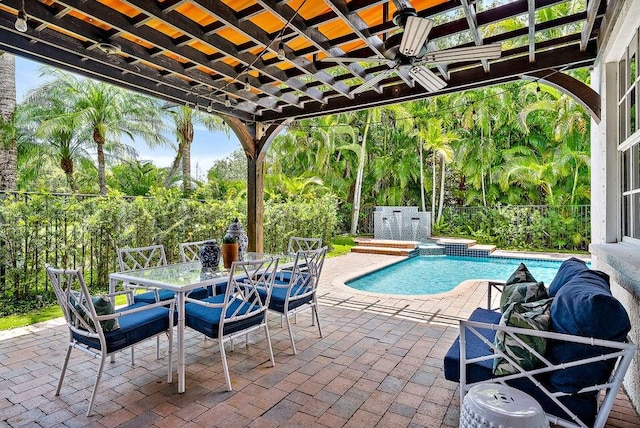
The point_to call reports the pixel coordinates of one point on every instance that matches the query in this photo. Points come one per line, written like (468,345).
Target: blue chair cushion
(206,320)
(585,307)
(279,294)
(200,293)
(568,269)
(150,297)
(133,328)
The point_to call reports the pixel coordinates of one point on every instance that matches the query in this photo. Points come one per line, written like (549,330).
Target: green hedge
(84,231)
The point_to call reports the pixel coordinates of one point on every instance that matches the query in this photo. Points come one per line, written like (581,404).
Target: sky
(207,146)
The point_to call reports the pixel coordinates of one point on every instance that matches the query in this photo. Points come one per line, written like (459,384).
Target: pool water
(438,274)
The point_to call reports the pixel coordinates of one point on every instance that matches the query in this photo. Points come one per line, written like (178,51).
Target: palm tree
(57,135)
(136,178)
(437,139)
(8,146)
(107,113)
(184,120)
(362,158)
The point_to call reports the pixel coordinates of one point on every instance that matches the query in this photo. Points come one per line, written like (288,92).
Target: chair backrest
(315,263)
(190,251)
(311,263)
(76,302)
(302,280)
(141,257)
(297,243)
(242,299)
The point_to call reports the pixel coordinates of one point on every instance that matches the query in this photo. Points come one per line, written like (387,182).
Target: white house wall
(621,260)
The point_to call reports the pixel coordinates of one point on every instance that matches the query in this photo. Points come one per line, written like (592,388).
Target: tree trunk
(187,139)
(484,192)
(186,168)
(66,165)
(99,139)
(177,161)
(8,149)
(421,156)
(433,184)
(359,175)
(442,165)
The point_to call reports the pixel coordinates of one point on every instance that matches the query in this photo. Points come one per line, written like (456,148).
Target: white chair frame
(621,352)
(297,243)
(141,258)
(190,251)
(305,271)
(72,304)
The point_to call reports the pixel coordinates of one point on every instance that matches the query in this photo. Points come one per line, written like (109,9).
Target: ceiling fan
(412,56)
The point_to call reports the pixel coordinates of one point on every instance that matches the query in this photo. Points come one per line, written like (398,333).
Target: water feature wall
(401,224)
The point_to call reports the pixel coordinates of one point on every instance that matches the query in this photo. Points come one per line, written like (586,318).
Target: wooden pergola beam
(255,139)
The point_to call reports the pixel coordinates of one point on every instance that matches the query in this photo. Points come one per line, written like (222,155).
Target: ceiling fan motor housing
(400,17)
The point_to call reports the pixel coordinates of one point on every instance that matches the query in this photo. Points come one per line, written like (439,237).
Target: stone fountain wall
(401,224)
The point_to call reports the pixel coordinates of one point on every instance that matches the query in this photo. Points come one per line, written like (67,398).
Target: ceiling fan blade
(373,81)
(427,78)
(471,53)
(356,59)
(415,35)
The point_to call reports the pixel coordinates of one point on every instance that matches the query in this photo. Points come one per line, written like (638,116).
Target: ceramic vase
(210,255)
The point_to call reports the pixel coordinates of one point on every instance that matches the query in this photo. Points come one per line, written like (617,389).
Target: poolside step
(385,243)
(389,251)
(465,247)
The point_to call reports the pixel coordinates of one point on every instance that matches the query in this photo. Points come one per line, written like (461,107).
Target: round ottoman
(496,405)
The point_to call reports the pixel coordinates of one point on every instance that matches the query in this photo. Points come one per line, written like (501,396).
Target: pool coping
(461,289)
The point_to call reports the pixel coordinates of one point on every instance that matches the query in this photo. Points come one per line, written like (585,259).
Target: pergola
(261,64)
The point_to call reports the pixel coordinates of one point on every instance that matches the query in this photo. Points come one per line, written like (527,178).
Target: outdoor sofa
(566,346)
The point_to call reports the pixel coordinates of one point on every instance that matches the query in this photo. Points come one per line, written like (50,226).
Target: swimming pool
(438,274)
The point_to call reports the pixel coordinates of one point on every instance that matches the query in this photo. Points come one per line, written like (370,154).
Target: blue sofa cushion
(206,320)
(150,297)
(475,348)
(133,328)
(568,269)
(584,306)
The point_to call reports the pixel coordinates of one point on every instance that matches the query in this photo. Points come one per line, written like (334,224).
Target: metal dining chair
(296,290)
(97,329)
(237,312)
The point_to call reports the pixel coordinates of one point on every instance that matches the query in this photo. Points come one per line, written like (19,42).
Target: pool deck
(379,364)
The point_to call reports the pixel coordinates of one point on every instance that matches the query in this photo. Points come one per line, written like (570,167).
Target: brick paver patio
(379,364)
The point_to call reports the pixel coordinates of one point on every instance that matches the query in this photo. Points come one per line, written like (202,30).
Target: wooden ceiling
(223,55)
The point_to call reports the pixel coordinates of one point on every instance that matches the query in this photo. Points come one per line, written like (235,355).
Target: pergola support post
(255,138)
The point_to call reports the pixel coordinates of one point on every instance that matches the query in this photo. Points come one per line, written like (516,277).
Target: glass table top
(185,276)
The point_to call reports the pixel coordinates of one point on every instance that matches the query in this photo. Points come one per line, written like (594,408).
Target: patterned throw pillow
(534,316)
(521,274)
(103,306)
(522,292)
(521,287)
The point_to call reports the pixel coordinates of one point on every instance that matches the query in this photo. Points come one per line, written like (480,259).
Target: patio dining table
(180,278)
